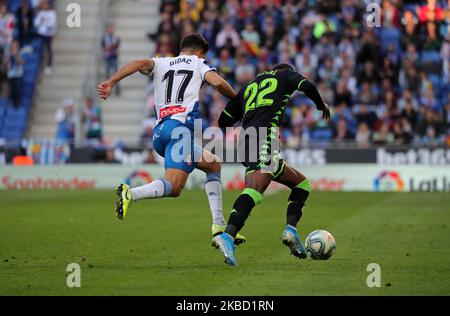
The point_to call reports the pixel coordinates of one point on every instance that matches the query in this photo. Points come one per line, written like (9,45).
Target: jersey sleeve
(156,61)
(232,113)
(294,80)
(204,68)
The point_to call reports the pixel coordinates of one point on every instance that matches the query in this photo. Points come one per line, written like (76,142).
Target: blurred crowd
(388,84)
(34,18)
(38,19)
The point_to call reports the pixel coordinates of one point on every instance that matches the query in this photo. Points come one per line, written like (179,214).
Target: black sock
(297,200)
(241,210)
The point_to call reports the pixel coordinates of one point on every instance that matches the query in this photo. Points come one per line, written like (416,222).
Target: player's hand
(104,89)
(326,112)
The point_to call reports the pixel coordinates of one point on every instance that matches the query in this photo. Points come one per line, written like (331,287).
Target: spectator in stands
(430,12)
(24,23)
(164,46)
(409,77)
(363,134)
(45,24)
(65,118)
(250,35)
(381,80)
(383,136)
(431,127)
(35,4)
(307,62)
(367,116)
(431,137)
(92,121)
(294,138)
(191,9)
(226,64)
(369,73)
(409,30)
(428,99)
(342,95)
(390,15)
(409,113)
(402,134)
(447,116)
(407,97)
(6,27)
(326,72)
(445,25)
(341,131)
(432,40)
(15,73)
(227,33)
(366,94)
(110,44)
(244,70)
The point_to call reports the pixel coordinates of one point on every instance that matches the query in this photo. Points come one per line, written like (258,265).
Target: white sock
(213,188)
(154,190)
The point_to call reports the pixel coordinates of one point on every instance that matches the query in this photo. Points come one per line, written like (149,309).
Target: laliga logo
(389,181)
(138,178)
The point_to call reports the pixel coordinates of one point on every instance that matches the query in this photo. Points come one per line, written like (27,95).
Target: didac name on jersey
(180,61)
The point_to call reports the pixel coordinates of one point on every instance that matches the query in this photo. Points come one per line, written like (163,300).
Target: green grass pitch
(163,246)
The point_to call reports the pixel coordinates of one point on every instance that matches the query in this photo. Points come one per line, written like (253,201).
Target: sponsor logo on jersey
(171,110)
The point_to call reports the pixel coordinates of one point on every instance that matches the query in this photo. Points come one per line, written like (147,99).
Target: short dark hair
(284,66)
(195,41)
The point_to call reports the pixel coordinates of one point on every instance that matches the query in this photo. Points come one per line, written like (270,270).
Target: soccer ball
(320,244)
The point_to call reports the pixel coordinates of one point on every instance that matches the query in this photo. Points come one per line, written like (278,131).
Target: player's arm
(213,79)
(232,113)
(300,83)
(144,66)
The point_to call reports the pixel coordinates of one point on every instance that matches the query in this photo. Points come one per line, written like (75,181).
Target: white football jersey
(177,83)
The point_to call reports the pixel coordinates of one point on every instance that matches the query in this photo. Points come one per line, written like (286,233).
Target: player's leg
(176,174)
(178,157)
(256,182)
(170,186)
(210,164)
(300,189)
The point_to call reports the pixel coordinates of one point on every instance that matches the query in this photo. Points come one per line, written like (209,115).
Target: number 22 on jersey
(256,94)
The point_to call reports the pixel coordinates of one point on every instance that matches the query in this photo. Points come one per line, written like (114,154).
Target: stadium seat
(390,36)
(322,134)
(435,80)
(431,61)
(12,133)
(409,7)
(430,56)
(13,5)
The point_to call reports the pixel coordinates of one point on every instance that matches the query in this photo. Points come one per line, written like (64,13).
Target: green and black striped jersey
(262,101)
